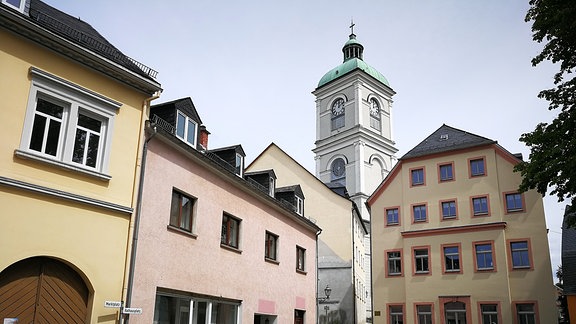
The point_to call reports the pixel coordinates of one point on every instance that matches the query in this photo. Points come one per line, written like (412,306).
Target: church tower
(354,144)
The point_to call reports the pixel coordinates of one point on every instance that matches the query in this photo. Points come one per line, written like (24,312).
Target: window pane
(480,205)
(484,256)
(446,172)
(92,154)
(15,3)
(90,123)
(417,177)
(449,209)
(49,108)
(180,125)
(419,213)
(191,132)
(520,257)
(392,216)
(37,137)
(186,216)
(175,209)
(79,145)
(451,258)
(513,202)
(477,167)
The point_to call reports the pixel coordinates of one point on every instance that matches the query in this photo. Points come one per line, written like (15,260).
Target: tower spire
(352,48)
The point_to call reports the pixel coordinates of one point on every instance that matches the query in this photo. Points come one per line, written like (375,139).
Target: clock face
(374,108)
(338,167)
(338,107)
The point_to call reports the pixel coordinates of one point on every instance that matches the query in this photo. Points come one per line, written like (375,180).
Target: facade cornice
(64,195)
(455,229)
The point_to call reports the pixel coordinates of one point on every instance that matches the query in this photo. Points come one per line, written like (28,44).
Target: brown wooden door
(43,290)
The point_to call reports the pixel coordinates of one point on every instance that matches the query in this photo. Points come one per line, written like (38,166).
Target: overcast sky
(250,66)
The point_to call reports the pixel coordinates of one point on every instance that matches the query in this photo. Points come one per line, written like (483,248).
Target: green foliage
(552,160)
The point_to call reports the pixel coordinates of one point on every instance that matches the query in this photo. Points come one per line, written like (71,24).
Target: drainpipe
(317,281)
(354,310)
(138,208)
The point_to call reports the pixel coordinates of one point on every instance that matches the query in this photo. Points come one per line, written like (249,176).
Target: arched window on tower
(338,114)
(375,111)
(338,174)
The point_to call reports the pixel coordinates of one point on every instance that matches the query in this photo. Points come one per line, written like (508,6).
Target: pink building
(214,245)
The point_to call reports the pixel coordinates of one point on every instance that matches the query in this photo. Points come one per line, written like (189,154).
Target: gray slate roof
(83,34)
(445,139)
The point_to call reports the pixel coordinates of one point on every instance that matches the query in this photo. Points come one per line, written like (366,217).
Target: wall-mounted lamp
(327,292)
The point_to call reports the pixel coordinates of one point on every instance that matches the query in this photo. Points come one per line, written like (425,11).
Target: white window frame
(75,100)
(187,121)
(19,8)
(299,206)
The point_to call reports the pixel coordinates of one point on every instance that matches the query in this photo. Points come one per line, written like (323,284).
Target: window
(419,213)
(489,313)
(271,246)
(424,314)
(182,211)
(514,202)
(421,261)
(186,129)
(230,231)
(477,167)
(455,312)
(299,205)
(375,114)
(451,258)
(394,261)
(16,4)
(396,314)
(300,258)
(338,114)
(484,256)
(480,206)
(67,125)
(392,217)
(520,254)
(177,309)
(526,313)
(417,177)
(446,172)
(448,209)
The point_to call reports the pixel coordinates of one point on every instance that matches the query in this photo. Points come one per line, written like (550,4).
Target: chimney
(204,137)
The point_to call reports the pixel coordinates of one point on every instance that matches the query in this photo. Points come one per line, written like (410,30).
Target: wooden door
(43,290)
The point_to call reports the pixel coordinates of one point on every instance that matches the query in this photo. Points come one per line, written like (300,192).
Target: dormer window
(16,4)
(299,205)
(239,164)
(186,129)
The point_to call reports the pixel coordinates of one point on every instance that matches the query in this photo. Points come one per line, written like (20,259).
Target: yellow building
(72,115)
(453,241)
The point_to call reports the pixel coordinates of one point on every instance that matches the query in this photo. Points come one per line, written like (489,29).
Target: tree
(552,160)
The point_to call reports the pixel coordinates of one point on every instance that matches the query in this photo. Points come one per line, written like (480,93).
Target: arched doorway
(43,290)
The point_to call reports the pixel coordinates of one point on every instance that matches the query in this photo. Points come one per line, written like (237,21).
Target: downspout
(317,281)
(138,205)
(354,310)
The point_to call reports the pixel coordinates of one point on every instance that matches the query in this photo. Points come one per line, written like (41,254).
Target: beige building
(341,263)
(73,108)
(453,241)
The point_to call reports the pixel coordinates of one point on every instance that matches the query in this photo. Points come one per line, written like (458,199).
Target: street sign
(132,310)
(112,304)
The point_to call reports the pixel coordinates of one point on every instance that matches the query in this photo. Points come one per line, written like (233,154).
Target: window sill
(453,272)
(486,270)
(302,272)
(230,248)
(521,268)
(483,214)
(181,231)
(422,273)
(32,156)
(273,261)
(515,211)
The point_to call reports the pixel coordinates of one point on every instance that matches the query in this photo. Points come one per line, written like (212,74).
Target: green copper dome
(349,66)
(352,60)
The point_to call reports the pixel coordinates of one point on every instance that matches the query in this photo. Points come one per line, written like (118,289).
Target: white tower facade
(354,144)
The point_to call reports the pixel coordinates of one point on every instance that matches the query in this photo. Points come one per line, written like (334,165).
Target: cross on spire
(352,26)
